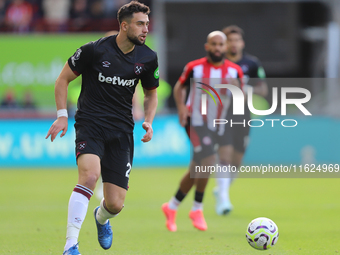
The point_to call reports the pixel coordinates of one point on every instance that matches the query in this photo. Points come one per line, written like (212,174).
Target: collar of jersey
(120,51)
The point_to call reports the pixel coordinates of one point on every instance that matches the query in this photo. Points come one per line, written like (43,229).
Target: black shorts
(114,148)
(203,141)
(236,135)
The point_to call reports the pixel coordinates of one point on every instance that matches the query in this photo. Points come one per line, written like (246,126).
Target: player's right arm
(179,96)
(180,93)
(60,90)
(75,66)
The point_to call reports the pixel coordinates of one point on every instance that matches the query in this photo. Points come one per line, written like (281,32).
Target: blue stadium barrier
(23,144)
(314,139)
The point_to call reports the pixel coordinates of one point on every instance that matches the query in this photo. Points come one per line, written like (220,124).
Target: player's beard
(134,39)
(215,58)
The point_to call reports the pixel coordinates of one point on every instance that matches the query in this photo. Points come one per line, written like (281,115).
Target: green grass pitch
(33,212)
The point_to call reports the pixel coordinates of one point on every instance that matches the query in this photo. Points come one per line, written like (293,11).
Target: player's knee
(114,206)
(89,180)
(209,161)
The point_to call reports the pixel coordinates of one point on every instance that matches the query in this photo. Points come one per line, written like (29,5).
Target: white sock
(99,192)
(104,215)
(197,206)
(174,203)
(77,209)
(223,181)
(223,185)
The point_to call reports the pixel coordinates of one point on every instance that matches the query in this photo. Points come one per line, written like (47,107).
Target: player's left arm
(261,87)
(137,110)
(150,107)
(150,81)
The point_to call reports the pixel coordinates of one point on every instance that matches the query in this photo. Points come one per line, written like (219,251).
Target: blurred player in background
(239,134)
(203,136)
(111,68)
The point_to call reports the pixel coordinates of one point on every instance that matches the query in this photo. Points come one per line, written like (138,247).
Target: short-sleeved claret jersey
(109,78)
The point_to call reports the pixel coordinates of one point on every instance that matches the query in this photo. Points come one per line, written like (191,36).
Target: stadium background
(293,39)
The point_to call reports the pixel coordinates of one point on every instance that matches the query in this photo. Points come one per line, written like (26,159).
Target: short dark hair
(127,10)
(233,29)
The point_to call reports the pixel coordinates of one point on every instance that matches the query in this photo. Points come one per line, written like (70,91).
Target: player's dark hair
(127,10)
(233,29)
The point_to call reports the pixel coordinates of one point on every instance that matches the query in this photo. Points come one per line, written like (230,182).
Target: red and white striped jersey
(199,73)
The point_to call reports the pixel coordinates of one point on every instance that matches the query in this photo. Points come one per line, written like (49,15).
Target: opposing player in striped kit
(213,68)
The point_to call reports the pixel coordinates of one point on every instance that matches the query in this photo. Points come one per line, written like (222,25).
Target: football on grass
(262,233)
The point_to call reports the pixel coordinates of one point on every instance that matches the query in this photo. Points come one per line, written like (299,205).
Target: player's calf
(102,216)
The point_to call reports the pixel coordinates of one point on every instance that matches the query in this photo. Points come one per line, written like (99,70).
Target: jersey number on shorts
(128,171)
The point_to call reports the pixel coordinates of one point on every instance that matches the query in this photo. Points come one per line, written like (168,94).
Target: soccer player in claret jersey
(203,136)
(239,134)
(111,68)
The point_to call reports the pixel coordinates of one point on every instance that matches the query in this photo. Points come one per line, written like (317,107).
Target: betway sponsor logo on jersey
(116,80)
